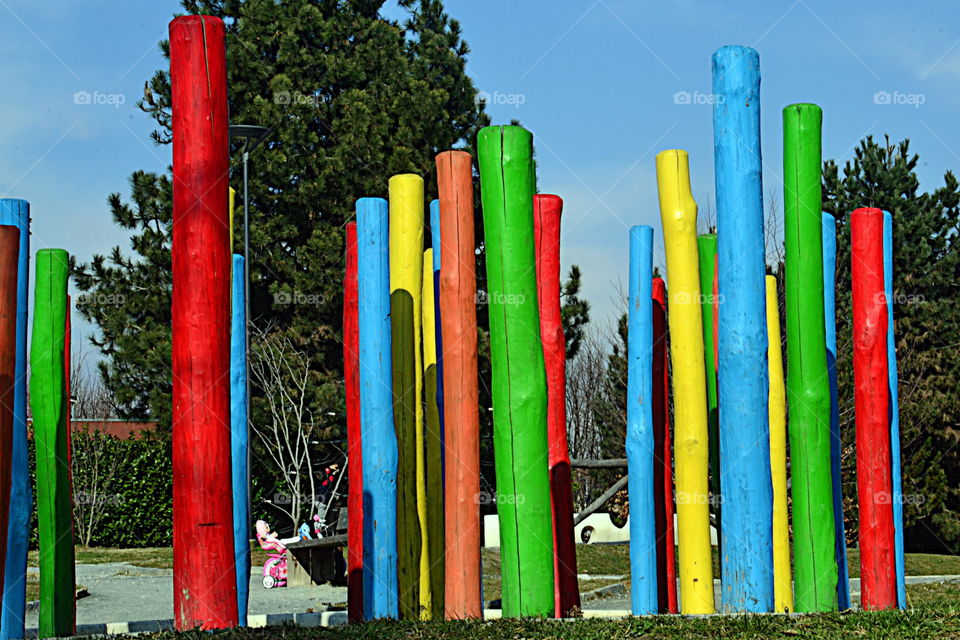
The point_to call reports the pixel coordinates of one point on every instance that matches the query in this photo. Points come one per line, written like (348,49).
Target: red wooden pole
(663,479)
(878,579)
(204,573)
(351,380)
(9,256)
(546,232)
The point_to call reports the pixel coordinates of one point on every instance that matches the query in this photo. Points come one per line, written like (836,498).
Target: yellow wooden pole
(233,198)
(406,286)
(433,454)
(777,407)
(678,213)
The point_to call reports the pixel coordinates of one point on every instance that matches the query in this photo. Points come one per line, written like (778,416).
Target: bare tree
(98,460)
(586,374)
(283,373)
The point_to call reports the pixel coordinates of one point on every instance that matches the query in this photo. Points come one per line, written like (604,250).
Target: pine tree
(927,317)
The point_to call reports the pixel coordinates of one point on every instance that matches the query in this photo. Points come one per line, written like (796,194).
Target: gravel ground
(121,592)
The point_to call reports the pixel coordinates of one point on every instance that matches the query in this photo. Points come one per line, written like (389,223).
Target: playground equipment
(411,360)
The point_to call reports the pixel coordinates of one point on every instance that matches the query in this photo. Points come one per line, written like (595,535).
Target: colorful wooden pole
(240,439)
(878,581)
(678,213)
(518,376)
(808,387)
(406,285)
(707,261)
(892,377)
(777,408)
(378,436)
(663,455)
(546,230)
(16,213)
(435,242)
(351,383)
(48,404)
(204,569)
(458,298)
(836,444)
(432,444)
(746,564)
(9,257)
(640,431)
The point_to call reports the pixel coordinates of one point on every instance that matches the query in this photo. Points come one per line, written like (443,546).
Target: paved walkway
(122,592)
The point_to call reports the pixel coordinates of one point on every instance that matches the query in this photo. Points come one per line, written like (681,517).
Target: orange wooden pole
(458,326)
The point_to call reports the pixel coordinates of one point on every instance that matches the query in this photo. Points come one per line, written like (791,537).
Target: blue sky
(597,81)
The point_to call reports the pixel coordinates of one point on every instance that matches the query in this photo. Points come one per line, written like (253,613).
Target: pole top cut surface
(673,186)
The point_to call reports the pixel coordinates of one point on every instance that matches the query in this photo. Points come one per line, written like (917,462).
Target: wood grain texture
(9,258)
(48,405)
(378,436)
(746,563)
(808,386)
(458,299)
(204,569)
(519,385)
(16,213)
(663,460)
(640,441)
(707,261)
(878,583)
(351,383)
(678,213)
(547,210)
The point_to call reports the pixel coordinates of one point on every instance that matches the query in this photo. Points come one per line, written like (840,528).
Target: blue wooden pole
(435,244)
(640,445)
(836,446)
(16,213)
(747,526)
(239,440)
(892,377)
(378,437)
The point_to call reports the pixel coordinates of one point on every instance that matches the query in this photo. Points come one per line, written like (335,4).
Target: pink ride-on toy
(275,568)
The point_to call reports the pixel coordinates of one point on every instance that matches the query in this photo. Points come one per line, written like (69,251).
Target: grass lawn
(152,557)
(936,614)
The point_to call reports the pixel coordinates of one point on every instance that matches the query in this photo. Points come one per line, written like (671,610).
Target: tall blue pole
(747,527)
(16,213)
(378,437)
(640,442)
(435,244)
(892,377)
(239,439)
(836,445)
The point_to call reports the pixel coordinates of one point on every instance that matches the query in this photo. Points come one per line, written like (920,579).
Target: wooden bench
(317,561)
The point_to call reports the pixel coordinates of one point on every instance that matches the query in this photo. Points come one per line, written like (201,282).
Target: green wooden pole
(707,254)
(808,386)
(519,382)
(48,404)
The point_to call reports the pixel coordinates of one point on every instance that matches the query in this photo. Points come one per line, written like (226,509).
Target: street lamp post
(252,136)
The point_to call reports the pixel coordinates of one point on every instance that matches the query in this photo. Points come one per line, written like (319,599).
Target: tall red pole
(663,470)
(204,573)
(9,256)
(878,578)
(351,380)
(546,231)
